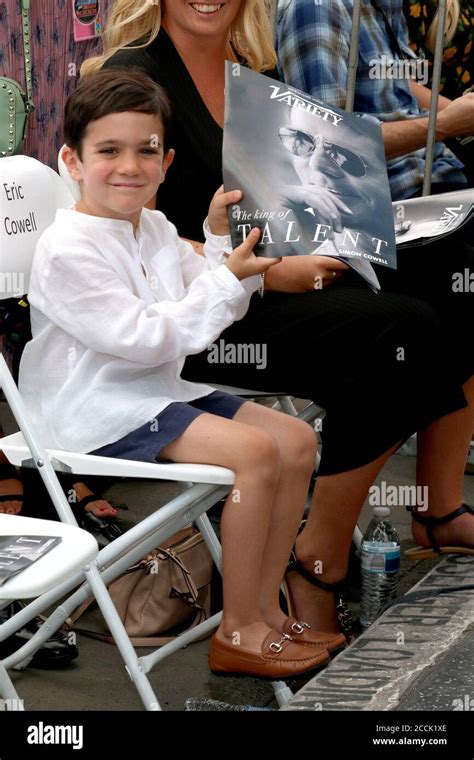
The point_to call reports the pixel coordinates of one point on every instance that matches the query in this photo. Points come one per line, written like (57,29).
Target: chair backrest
(30,194)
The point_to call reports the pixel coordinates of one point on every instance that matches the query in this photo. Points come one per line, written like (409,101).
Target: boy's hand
(217,216)
(242,261)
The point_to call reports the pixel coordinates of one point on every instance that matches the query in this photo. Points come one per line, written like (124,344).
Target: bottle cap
(381,512)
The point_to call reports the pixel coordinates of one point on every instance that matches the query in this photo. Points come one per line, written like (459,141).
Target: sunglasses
(302,144)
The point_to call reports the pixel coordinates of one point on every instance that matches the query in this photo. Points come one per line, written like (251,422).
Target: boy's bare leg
(255,458)
(298,445)
(442,452)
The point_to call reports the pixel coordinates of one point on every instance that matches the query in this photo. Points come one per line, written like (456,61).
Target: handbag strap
(25,18)
(192,594)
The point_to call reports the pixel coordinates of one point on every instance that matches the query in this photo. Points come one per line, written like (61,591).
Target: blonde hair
(452,17)
(250,35)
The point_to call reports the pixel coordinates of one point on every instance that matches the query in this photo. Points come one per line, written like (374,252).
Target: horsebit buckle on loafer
(299,627)
(277,646)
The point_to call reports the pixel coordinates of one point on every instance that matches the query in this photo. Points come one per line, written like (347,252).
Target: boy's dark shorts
(146,443)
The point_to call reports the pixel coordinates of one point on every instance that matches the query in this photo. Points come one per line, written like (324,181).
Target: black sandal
(344,615)
(105,529)
(8,471)
(430,523)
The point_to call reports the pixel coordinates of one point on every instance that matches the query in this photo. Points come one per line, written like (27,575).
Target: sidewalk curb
(376,671)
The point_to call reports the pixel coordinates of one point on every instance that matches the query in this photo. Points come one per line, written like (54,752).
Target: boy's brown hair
(112,91)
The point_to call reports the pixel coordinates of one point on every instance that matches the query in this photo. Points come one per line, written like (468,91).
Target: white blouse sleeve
(215,248)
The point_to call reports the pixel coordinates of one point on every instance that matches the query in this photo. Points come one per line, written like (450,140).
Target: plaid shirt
(313,40)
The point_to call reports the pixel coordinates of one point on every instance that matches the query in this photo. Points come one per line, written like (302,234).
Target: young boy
(117,302)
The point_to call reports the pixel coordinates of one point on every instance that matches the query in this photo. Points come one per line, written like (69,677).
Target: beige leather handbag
(164,594)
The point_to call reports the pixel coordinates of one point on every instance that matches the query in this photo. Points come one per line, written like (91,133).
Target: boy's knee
(301,444)
(260,453)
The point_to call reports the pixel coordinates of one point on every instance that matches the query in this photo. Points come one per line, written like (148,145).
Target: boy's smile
(122,165)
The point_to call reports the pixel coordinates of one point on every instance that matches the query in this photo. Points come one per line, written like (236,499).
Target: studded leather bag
(15,103)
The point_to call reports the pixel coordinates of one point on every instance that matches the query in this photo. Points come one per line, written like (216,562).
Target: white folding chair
(41,192)
(75,552)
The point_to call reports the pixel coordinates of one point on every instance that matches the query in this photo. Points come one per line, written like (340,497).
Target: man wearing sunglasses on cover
(337,185)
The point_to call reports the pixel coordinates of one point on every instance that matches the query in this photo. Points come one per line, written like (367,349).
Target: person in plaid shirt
(313,41)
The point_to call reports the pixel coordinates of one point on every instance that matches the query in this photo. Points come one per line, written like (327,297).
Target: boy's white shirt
(109,341)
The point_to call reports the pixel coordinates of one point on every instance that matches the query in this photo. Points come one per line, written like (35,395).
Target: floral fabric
(458,61)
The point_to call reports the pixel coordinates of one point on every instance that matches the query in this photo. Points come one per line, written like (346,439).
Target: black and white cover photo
(419,220)
(313,177)
(19,552)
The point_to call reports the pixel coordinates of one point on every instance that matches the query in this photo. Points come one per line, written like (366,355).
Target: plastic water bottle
(380,565)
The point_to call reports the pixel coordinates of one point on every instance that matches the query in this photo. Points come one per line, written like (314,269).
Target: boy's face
(122,164)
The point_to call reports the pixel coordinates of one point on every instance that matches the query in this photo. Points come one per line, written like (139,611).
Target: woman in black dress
(338,346)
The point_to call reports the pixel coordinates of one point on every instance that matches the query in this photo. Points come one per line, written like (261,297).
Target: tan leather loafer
(305,635)
(280,657)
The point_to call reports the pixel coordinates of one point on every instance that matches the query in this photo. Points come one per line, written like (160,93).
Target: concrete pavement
(97,681)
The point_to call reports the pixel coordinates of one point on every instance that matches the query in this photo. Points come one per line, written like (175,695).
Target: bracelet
(261,290)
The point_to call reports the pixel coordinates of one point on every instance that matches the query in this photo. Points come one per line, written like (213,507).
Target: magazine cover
(419,220)
(19,552)
(313,177)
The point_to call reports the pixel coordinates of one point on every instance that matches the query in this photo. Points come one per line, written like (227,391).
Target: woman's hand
(301,274)
(217,216)
(242,261)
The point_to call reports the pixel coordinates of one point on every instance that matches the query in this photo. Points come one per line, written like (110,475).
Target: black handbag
(15,331)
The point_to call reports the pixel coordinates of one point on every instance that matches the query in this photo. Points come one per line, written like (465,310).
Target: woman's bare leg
(442,452)
(323,546)
(338,499)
